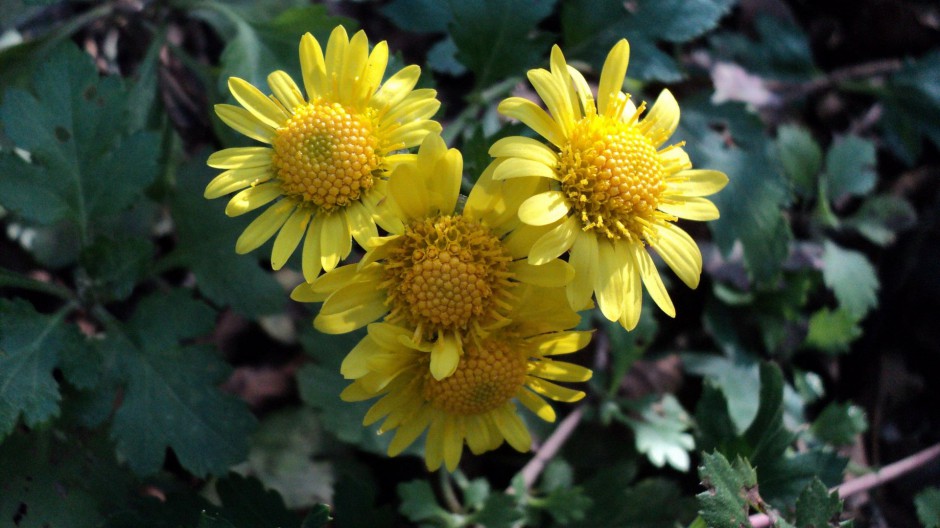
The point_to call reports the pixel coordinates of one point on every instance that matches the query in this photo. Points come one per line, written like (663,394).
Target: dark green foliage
(591,28)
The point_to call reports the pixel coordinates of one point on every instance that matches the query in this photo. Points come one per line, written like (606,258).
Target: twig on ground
(551,446)
(869,481)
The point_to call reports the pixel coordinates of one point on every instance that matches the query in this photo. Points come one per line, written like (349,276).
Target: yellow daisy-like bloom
(326,167)
(615,187)
(476,405)
(448,276)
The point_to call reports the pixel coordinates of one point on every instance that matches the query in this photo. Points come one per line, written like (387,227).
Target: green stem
(15,280)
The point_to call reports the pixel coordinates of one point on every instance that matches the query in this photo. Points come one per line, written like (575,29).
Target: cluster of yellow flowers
(466,306)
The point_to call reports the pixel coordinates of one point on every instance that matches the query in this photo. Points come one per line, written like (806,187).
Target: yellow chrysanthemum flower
(476,405)
(444,274)
(615,188)
(329,154)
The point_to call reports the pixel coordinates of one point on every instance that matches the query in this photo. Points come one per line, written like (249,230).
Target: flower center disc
(325,155)
(483,381)
(447,273)
(612,175)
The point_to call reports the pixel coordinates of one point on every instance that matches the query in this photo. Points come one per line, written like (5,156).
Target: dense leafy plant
(150,376)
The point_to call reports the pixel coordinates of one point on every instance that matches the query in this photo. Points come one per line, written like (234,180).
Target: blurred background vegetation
(149,376)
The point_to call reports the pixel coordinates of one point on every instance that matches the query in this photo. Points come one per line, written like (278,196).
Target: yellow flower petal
(633,292)
(236,179)
(434,445)
(361,225)
(544,208)
(556,98)
(374,71)
(396,88)
(609,282)
(478,434)
(583,90)
(554,274)
(253,198)
(304,293)
(313,67)
(420,104)
(584,257)
(523,168)
(652,281)
(350,308)
(310,254)
(335,241)
(675,160)
(453,445)
(256,102)
(411,134)
(409,432)
(561,342)
(289,237)
(445,356)
(534,117)
(696,183)
(244,122)
(662,119)
(690,208)
(560,371)
(241,158)
(525,148)
(537,405)
(335,53)
(512,428)
(612,74)
(286,90)
(355,393)
(262,228)
(553,391)
(680,253)
(355,57)
(409,193)
(356,363)
(552,244)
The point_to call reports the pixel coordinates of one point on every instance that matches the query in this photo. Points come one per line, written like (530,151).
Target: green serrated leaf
(591,28)
(781,50)
(81,167)
(801,157)
(256,47)
(816,506)
(206,246)
(171,399)
(912,107)
(753,202)
(736,376)
(247,501)
(852,279)
(53,478)
(418,502)
(115,266)
(30,345)
(928,507)
(881,218)
(839,424)
(442,58)
(832,331)
(661,435)
(418,16)
(285,456)
(731,491)
(850,164)
(493,36)
(498,511)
